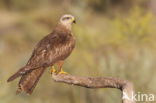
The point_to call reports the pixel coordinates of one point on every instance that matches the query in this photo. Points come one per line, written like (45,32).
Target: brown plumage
(53,48)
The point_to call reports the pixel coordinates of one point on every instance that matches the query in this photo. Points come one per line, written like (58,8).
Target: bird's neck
(67,27)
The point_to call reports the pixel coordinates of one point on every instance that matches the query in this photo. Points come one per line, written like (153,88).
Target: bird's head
(67,20)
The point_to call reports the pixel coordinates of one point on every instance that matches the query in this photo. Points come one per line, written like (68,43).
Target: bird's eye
(67,17)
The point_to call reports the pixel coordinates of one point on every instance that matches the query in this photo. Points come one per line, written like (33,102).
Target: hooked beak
(74,21)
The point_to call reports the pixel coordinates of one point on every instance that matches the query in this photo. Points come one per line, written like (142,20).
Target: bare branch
(102,82)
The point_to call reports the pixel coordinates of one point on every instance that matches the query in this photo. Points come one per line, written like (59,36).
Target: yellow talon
(53,70)
(62,72)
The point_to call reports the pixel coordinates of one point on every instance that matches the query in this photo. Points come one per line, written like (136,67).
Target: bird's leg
(60,64)
(53,70)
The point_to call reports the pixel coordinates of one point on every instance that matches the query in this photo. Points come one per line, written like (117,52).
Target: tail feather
(29,81)
(18,73)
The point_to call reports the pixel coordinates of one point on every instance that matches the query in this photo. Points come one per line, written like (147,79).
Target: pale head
(67,20)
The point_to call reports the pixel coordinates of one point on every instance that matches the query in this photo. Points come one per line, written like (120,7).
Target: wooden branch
(102,82)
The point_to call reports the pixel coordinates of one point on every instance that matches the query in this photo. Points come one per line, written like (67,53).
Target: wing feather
(53,47)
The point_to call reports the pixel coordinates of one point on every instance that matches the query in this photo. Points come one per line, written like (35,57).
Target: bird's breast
(61,50)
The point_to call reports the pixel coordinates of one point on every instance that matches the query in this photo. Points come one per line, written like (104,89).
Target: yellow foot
(62,72)
(53,70)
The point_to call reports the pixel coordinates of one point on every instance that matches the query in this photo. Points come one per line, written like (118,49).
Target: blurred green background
(114,38)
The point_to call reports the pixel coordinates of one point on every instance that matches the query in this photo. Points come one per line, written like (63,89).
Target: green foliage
(134,28)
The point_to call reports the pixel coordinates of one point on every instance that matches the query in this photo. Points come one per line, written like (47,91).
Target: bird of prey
(52,49)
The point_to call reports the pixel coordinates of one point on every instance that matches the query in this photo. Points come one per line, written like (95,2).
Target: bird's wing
(53,47)
(50,49)
(42,49)
(39,56)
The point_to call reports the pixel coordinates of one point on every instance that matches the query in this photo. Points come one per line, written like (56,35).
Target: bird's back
(56,46)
